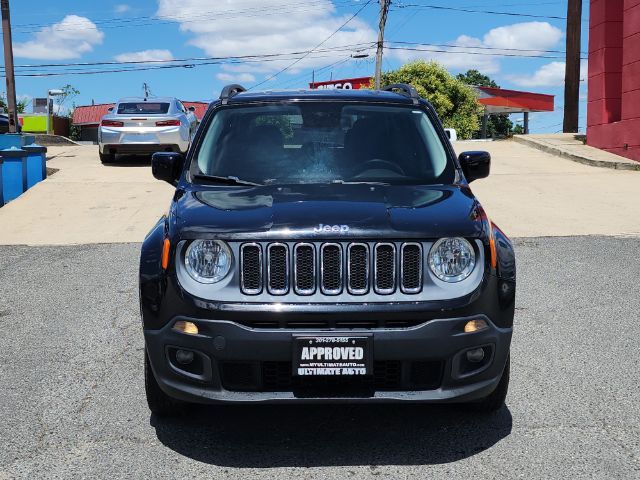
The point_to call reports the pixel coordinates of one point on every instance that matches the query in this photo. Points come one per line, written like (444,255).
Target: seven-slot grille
(331,268)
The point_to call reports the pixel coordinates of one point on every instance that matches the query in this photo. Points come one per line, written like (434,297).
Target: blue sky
(72,31)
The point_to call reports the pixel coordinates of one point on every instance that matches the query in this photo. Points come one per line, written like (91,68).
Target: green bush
(455,101)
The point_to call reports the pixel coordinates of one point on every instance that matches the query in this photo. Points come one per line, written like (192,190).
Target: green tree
(69,92)
(518,130)
(455,102)
(498,125)
(21,105)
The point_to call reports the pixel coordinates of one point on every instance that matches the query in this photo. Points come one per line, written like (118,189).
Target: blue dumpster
(36,163)
(14,173)
(17,140)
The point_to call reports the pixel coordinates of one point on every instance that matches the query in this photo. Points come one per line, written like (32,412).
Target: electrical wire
(317,46)
(468,10)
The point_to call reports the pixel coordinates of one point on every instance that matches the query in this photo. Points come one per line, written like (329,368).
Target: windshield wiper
(230,180)
(363,182)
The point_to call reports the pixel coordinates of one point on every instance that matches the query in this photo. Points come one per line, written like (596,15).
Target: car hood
(327,211)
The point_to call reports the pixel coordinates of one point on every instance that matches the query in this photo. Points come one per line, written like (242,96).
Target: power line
(468,10)
(346,47)
(488,54)
(317,46)
(155,67)
(478,47)
(337,48)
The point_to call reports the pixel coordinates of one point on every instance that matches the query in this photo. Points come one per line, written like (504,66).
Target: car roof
(322,94)
(150,100)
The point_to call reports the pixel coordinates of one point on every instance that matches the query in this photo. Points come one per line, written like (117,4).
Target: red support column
(605,62)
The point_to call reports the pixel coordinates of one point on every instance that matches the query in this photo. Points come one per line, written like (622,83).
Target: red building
(613,112)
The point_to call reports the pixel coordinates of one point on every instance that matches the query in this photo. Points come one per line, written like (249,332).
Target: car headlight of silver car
(452,259)
(208,261)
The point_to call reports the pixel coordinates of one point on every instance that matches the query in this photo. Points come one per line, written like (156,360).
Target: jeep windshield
(323,142)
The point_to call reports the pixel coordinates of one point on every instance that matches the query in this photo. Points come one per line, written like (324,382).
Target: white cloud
(144,56)
(549,75)
(529,35)
(122,8)
(67,39)
(241,77)
(255,27)
(484,54)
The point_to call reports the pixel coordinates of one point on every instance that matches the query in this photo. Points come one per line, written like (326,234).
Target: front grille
(388,375)
(385,268)
(251,268)
(411,268)
(306,269)
(278,269)
(358,265)
(331,261)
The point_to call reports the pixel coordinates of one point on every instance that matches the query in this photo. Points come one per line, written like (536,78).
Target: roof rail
(404,89)
(231,90)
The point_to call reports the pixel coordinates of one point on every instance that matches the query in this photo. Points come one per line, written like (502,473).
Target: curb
(576,158)
(54,140)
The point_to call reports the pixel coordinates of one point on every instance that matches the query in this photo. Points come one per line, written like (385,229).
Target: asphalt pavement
(73,406)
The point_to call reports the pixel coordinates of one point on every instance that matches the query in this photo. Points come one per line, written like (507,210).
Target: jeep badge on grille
(322,228)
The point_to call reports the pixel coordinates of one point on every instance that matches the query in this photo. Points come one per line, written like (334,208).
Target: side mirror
(475,165)
(167,166)
(110,109)
(192,108)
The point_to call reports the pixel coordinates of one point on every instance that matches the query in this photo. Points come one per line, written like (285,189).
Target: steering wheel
(379,163)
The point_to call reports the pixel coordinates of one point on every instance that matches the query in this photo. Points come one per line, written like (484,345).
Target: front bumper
(437,346)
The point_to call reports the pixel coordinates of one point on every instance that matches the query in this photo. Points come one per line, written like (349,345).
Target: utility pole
(572,73)
(147,90)
(384,10)
(8,68)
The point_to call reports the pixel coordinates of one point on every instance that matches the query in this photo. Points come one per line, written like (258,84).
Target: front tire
(159,402)
(495,400)
(107,157)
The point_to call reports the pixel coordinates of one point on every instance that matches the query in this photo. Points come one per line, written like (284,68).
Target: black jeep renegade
(325,246)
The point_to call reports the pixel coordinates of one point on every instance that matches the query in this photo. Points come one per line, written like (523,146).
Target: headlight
(208,261)
(452,259)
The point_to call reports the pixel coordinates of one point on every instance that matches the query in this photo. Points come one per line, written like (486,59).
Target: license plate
(332,356)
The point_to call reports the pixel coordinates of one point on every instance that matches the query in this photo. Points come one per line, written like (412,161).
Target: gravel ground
(72,400)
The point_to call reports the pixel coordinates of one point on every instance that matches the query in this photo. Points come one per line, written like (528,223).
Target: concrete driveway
(529,194)
(86,202)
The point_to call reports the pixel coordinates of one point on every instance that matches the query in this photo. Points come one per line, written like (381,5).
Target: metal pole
(526,123)
(12,104)
(48,112)
(485,121)
(572,73)
(384,10)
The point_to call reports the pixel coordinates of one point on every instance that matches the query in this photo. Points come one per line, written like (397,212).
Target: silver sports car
(145,126)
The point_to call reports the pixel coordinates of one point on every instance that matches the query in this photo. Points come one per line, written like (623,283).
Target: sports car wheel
(107,157)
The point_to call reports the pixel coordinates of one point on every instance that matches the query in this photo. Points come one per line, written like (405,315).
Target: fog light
(476,355)
(189,328)
(475,326)
(184,357)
